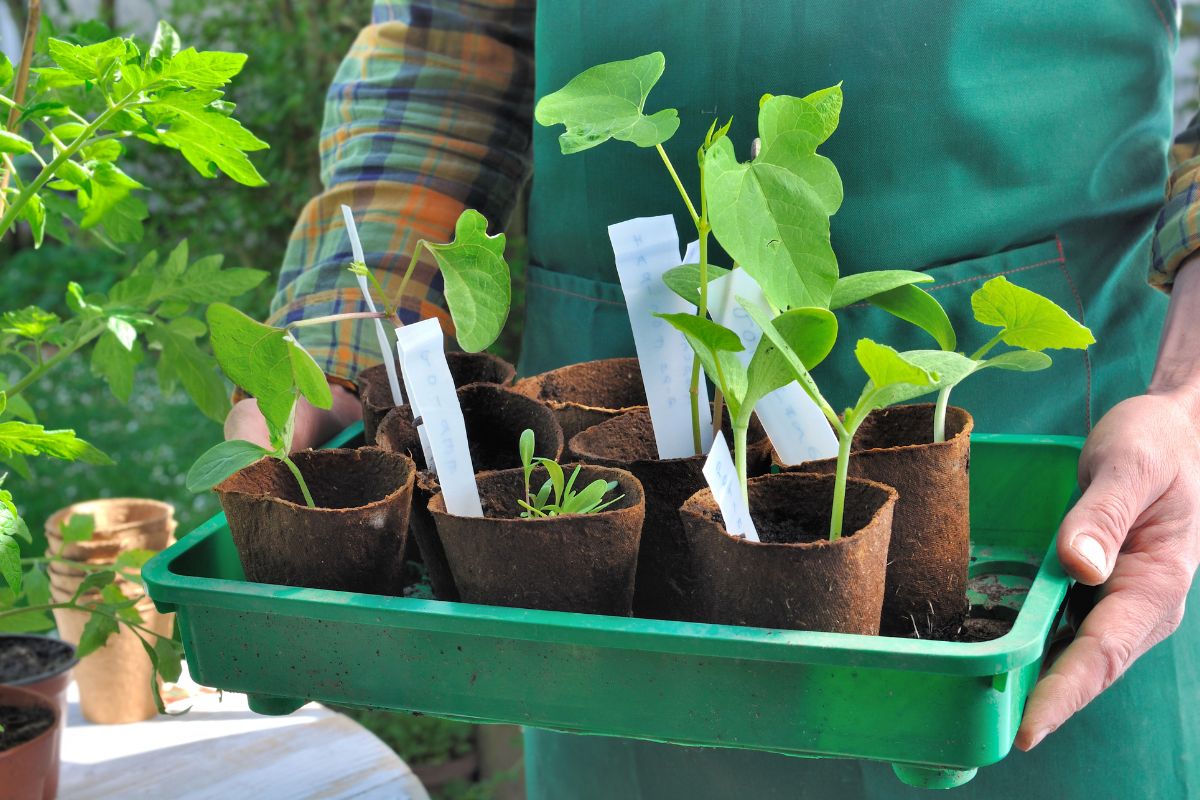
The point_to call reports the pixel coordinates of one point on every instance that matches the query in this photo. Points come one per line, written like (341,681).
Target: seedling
(272,366)
(565,499)
(1028,322)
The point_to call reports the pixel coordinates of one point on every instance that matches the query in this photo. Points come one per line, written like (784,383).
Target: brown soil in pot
(583,395)
(494,417)
(27,659)
(580,562)
(926,592)
(795,578)
(29,744)
(353,541)
(665,580)
(375,393)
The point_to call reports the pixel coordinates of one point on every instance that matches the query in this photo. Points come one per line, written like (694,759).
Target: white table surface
(221,750)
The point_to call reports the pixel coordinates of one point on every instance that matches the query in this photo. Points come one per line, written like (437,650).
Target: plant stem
(331,318)
(687,201)
(291,465)
(46,366)
(739,457)
(939,415)
(718,413)
(983,351)
(32,22)
(408,273)
(839,485)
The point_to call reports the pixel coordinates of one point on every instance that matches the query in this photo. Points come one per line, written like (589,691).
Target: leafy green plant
(270,365)
(558,496)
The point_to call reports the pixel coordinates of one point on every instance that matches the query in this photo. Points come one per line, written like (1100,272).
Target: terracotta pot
(583,395)
(43,665)
(114,680)
(930,553)
(29,770)
(579,562)
(795,578)
(122,523)
(375,393)
(494,417)
(352,541)
(665,583)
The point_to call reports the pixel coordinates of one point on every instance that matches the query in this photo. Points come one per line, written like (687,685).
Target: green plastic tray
(936,710)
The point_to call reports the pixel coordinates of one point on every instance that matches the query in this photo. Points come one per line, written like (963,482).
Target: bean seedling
(565,499)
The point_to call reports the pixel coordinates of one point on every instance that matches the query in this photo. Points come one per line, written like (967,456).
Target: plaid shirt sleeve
(429,114)
(1177,233)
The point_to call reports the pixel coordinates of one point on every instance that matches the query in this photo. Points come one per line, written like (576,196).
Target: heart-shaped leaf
(477,284)
(221,461)
(1027,319)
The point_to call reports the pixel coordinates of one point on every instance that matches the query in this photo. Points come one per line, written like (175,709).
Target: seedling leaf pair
(566,500)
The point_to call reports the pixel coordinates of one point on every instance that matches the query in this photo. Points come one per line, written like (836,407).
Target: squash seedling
(589,500)
(274,368)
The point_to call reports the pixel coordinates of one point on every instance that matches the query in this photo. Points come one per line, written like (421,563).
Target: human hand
(1136,531)
(314,426)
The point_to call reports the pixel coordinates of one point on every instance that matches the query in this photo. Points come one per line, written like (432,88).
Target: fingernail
(1090,551)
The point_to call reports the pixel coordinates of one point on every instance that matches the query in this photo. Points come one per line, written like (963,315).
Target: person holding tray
(1026,139)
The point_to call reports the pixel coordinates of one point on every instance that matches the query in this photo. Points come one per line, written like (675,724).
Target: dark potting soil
(24,657)
(21,724)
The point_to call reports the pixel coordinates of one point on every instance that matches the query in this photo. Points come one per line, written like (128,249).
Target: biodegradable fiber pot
(121,523)
(578,562)
(583,395)
(665,580)
(926,592)
(354,539)
(28,745)
(795,577)
(375,393)
(494,418)
(42,665)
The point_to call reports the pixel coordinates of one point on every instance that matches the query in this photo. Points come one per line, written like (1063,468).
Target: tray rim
(174,591)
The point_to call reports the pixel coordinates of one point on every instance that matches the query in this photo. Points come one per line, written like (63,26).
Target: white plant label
(721,474)
(431,390)
(794,423)
(645,248)
(385,345)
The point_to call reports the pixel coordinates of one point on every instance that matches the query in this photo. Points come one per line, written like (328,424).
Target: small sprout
(565,499)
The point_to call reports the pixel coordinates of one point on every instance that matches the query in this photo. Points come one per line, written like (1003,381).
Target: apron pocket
(569,319)
(1053,401)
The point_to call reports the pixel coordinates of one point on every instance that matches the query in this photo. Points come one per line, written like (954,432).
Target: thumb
(1093,531)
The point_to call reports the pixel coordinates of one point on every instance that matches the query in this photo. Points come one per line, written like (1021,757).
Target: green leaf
(256,357)
(29,322)
(54,78)
(95,633)
(309,378)
(131,560)
(34,213)
(170,658)
(116,364)
(6,71)
(526,448)
(79,303)
(221,461)
(951,368)
(13,143)
(34,440)
(809,332)
(207,70)
(608,102)
(166,41)
(477,284)
(11,524)
(715,345)
(10,562)
(88,63)
(828,105)
(37,586)
(913,304)
(1019,361)
(107,188)
(885,367)
(95,581)
(556,477)
(108,150)
(771,216)
(208,139)
(189,327)
(1027,319)
(183,361)
(28,622)
(123,222)
(77,528)
(685,280)
(66,132)
(852,289)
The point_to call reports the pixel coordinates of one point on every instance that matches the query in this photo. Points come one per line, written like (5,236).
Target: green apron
(1026,139)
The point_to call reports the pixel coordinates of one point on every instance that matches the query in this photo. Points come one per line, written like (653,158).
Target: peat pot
(494,418)
(352,541)
(583,395)
(577,562)
(795,577)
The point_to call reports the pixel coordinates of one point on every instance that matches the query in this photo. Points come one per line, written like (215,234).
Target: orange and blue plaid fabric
(1177,233)
(430,113)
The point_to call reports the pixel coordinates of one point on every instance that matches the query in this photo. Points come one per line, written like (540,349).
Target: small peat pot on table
(795,577)
(665,580)
(353,540)
(375,393)
(29,744)
(926,593)
(575,562)
(494,417)
(583,395)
